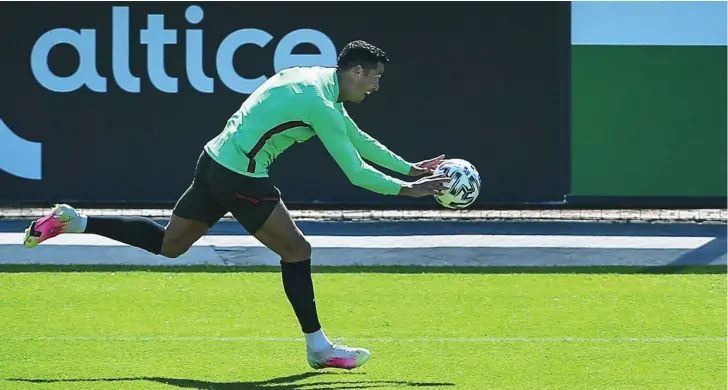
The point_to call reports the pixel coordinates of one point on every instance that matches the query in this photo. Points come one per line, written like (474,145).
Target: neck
(343,86)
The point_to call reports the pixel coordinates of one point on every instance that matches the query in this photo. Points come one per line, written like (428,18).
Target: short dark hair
(361,53)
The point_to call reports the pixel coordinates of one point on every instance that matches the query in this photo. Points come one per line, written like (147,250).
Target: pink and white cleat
(53,224)
(338,356)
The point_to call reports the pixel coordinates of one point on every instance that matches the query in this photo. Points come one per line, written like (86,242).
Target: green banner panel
(648,121)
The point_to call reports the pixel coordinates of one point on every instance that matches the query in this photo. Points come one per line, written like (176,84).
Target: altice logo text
(155,36)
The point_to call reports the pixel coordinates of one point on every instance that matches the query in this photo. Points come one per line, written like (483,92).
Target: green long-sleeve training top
(291,107)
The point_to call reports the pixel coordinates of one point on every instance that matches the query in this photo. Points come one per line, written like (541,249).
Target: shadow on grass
(670,269)
(282,383)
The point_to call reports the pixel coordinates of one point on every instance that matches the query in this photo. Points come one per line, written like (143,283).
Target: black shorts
(215,190)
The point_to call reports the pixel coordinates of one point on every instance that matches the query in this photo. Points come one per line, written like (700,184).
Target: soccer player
(232,176)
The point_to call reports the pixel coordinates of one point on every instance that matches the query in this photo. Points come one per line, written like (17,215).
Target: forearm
(334,135)
(374,151)
(405,189)
(375,181)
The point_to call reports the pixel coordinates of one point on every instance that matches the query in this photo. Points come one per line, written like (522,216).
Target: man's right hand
(427,186)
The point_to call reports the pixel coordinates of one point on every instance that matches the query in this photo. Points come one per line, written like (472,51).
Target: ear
(358,71)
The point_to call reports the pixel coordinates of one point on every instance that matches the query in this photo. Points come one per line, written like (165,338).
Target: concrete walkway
(434,243)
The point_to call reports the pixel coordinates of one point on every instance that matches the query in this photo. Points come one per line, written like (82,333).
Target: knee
(173,247)
(300,250)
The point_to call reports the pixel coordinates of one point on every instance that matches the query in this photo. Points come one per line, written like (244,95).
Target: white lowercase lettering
(155,37)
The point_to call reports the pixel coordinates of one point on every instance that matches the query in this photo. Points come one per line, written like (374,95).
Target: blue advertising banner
(110,104)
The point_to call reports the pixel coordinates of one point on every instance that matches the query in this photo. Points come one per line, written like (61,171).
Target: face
(366,81)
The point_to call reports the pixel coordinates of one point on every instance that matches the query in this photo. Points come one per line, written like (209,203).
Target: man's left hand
(427,166)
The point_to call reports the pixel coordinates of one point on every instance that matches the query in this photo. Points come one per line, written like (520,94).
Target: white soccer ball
(464,183)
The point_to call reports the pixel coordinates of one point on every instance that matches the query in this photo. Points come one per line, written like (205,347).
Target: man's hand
(431,185)
(427,166)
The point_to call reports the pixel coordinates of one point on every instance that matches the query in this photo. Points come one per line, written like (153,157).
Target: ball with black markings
(464,185)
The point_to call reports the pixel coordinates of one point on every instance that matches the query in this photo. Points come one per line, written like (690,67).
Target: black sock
(135,231)
(298,285)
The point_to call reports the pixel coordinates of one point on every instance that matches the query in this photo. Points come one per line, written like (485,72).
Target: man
(232,175)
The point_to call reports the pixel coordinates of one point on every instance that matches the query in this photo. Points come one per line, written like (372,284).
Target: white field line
(415,241)
(385,339)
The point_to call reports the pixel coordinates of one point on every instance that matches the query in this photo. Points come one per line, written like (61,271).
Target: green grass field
(222,330)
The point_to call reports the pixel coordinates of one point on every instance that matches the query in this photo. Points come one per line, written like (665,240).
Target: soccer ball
(464,183)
